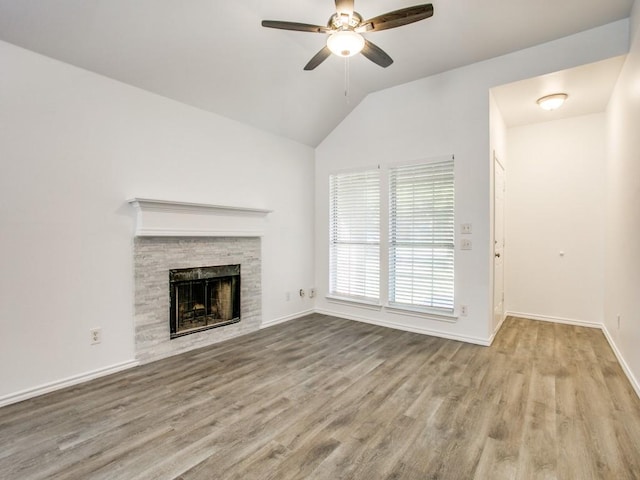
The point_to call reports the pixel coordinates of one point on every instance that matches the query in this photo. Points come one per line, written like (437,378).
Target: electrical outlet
(312,292)
(95,335)
(465,228)
(465,244)
(301,292)
(464,310)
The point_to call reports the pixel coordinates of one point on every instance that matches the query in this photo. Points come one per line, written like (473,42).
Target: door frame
(498,166)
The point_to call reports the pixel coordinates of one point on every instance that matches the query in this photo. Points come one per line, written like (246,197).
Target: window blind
(355,234)
(421,231)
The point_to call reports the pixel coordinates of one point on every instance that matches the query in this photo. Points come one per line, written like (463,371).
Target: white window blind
(355,234)
(421,243)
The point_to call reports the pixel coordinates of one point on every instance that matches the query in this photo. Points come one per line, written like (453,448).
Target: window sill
(369,304)
(423,313)
(429,314)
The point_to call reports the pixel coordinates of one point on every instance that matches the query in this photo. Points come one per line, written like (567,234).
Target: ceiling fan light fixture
(551,102)
(345,43)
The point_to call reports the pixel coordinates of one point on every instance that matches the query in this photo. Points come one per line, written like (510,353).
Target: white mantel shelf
(166,218)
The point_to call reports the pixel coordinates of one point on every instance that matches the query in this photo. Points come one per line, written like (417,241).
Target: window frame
(383,303)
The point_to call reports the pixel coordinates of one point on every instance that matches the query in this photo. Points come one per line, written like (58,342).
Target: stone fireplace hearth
(154,257)
(175,237)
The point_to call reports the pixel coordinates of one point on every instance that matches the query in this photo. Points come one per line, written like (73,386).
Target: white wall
(555,203)
(622,241)
(497,133)
(74,146)
(446,113)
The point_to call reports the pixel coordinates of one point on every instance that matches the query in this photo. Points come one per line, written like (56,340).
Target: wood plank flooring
(327,398)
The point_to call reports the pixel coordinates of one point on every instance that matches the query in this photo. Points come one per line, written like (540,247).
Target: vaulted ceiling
(214,54)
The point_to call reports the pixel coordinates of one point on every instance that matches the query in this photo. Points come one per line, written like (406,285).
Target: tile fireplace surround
(172,235)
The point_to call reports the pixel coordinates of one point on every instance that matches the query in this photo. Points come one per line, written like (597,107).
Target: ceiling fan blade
(344,7)
(376,54)
(397,18)
(297,27)
(318,58)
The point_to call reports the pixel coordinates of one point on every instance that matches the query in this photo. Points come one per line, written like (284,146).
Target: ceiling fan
(345,27)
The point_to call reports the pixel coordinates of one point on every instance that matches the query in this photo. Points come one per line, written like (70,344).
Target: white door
(498,249)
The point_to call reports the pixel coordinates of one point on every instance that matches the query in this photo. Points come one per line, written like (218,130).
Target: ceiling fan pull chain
(346,78)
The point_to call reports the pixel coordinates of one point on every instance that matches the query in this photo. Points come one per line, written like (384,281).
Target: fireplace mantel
(165,218)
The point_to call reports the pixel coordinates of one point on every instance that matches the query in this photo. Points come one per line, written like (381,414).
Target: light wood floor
(326,398)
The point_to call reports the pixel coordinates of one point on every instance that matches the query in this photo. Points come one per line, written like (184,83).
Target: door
(498,249)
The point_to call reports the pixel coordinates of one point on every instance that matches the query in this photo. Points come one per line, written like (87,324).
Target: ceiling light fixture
(551,102)
(345,43)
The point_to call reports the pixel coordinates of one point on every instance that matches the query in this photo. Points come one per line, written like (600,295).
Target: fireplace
(176,235)
(156,256)
(203,298)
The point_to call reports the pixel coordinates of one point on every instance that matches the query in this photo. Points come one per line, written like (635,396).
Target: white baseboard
(85,377)
(293,316)
(407,328)
(546,318)
(66,382)
(495,332)
(625,368)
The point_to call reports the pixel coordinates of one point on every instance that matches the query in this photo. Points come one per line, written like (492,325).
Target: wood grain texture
(327,398)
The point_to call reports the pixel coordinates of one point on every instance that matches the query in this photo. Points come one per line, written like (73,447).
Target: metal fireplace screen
(203,298)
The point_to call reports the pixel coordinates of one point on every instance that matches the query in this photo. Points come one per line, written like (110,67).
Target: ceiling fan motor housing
(342,21)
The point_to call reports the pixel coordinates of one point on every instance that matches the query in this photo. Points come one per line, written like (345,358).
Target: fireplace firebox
(203,298)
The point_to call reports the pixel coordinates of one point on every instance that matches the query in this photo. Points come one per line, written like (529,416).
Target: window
(355,235)
(421,235)
(408,266)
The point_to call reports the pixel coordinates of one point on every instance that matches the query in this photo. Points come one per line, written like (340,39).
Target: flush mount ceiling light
(551,102)
(345,43)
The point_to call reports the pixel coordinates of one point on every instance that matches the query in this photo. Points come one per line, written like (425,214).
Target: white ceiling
(214,54)
(589,88)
